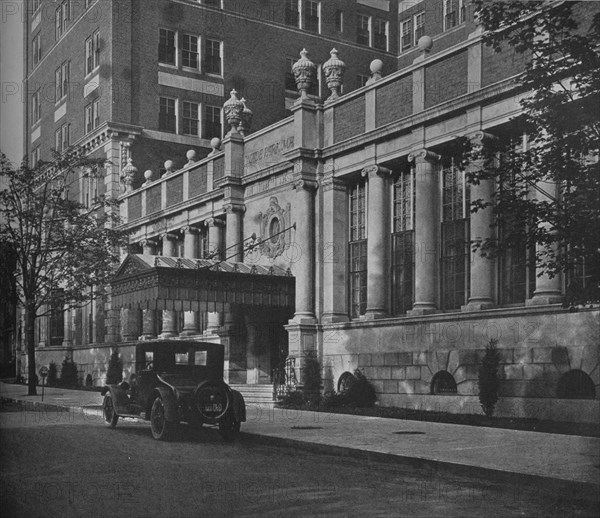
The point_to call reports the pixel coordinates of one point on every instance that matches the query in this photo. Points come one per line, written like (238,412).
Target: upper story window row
(372,32)
(413,27)
(303,14)
(190,51)
(62,16)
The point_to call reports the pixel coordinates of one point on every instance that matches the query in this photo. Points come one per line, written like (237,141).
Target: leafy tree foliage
(65,252)
(549,188)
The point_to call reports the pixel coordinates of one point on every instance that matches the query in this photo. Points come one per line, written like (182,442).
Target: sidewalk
(554,457)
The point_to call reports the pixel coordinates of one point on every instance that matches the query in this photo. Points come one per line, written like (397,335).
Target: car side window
(200,358)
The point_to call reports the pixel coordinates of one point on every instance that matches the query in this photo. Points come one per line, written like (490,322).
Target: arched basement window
(575,384)
(443,383)
(346,379)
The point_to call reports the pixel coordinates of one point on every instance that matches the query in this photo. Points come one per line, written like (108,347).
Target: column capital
(149,242)
(231,208)
(189,229)
(171,236)
(305,184)
(481,138)
(375,170)
(214,222)
(421,156)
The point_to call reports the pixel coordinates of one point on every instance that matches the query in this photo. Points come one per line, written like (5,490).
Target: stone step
(255,394)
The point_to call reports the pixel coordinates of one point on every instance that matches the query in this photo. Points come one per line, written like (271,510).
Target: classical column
(481,225)
(233,232)
(215,245)
(426,231)
(191,325)
(548,290)
(148,315)
(68,327)
(335,250)
(377,233)
(305,241)
(169,323)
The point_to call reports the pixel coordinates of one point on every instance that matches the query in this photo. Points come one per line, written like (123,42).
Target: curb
(577,489)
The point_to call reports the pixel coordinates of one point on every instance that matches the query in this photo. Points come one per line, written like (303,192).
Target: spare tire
(212,400)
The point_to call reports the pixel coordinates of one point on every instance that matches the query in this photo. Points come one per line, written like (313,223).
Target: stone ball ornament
(215,144)
(334,69)
(304,70)
(191,155)
(425,43)
(148,175)
(169,165)
(376,66)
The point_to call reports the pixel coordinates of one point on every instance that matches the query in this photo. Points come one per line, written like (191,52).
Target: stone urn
(334,69)
(304,70)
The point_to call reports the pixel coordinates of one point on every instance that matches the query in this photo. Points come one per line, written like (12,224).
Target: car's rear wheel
(108,411)
(229,427)
(162,429)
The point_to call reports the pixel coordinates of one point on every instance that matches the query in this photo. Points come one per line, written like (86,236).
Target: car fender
(119,396)
(169,401)
(239,406)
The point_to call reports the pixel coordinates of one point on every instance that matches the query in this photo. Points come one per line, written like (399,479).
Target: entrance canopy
(179,284)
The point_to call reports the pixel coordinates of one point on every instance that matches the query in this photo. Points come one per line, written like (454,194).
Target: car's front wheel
(108,410)
(162,429)
(229,427)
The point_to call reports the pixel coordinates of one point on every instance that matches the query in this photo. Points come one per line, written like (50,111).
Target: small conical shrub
(69,376)
(488,379)
(52,380)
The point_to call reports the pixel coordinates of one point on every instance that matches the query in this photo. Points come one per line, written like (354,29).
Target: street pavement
(554,457)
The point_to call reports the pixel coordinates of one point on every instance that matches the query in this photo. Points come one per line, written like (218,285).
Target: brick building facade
(359,200)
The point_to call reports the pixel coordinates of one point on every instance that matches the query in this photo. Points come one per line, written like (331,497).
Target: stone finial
(215,144)
(148,176)
(334,69)
(376,68)
(303,71)
(233,109)
(247,114)
(128,174)
(425,44)
(191,156)
(169,166)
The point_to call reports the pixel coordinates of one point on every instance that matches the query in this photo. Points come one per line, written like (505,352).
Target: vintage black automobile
(175,381)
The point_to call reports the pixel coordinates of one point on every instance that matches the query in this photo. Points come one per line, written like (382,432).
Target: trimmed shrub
(359,393)
(52,380)
(488,378)
(312,377)
(69,377)
(114,374)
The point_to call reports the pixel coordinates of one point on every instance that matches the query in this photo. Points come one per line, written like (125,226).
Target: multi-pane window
(363,31)
(167,118)
(35,157)
(189,118)
(361,80)
(292,16)
(167,50)
(455,238)
(418,26)
(62,15)
(357,251)
(339,21)
(57,318)
(380,34)
(290,80)
(189,51)
(212,57)
(36,46)
(310,16)
(454,13)
(62,77)
(403,255)
(36,106)
(62,138)
(92,52)
(406,34)
(211,126)
(92,117)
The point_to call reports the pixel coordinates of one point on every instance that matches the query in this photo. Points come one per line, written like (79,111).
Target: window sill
(58,103)
(90,74)
(168,65)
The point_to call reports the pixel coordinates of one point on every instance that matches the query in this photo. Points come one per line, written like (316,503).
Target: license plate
(215,407)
